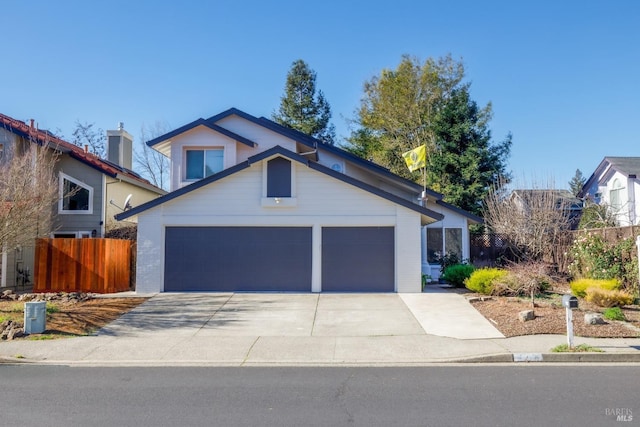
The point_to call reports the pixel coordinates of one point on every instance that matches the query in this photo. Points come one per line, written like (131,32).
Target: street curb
(13,360)
(550,358)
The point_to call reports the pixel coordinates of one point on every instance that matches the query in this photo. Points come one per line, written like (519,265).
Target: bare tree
(532,221)
(28,191)
(153,165)
(86,135)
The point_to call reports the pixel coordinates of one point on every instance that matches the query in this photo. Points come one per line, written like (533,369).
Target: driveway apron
(435,312)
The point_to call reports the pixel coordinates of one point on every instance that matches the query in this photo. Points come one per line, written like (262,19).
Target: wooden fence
(82,265)
(491,249)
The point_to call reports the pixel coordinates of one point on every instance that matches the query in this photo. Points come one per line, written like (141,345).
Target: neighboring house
(256,206)
(560,199)
(615,184)
(87,186)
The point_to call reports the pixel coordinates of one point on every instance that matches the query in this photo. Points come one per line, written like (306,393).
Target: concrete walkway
(304,329)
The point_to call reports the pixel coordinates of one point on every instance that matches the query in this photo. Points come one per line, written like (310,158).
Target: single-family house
(255,206)
(91,189)
(615,183)
(542,199)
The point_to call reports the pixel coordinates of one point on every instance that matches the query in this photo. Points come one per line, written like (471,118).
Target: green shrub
(483,280)
(457,274)
(608,298)
(579,287)
(613,313)
(594,257)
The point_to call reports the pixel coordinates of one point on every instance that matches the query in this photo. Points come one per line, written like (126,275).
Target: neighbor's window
(439,243)
(76,197)
(615,195)
(203,163)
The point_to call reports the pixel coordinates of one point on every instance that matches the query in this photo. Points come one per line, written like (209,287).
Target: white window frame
(204,149)
(616,191)
(61,209)
(77,234)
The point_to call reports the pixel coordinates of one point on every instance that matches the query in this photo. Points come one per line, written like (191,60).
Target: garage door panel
(358,259)
(238,259)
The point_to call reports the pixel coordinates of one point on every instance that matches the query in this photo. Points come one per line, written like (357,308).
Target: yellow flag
(416,158)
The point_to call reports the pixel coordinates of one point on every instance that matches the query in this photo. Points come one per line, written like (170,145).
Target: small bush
(524,279)
(613,313)
(608,298)
(457,274)
(483,280)
(579,287)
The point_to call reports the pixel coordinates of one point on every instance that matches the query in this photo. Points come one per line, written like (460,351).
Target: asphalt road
(523,395)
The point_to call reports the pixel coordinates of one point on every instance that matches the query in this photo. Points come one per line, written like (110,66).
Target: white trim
(79,183)
(103,206)
(76,234)
(204,149)
(3,274)
(316,258)
(265,177)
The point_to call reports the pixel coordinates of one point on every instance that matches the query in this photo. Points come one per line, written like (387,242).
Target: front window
(76,197)
(442,242)
(203,163)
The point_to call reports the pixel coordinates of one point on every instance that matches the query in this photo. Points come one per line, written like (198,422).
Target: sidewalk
(307,330)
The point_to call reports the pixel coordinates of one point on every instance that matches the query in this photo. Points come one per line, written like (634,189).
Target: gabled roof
(627,166)
(316,144)
(46,138)
(201,122)
(427,215)
(562,197)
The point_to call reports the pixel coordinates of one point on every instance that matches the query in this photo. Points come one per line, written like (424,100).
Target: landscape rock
(526,315)
(593,319)
(7,292)
(10,330)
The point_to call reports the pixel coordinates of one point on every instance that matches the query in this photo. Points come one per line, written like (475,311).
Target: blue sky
(563,76)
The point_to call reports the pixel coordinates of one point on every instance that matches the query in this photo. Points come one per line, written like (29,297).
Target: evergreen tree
(465,163)
(301,108)
(428,103)
(577,182)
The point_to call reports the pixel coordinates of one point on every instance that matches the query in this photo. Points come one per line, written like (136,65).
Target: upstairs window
(75,196)
(203,163)
(279,177)
(615,195)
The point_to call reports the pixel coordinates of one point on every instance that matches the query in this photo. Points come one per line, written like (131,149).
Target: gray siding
(93,178)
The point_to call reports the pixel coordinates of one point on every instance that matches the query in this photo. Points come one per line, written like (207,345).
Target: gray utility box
(35,317)
(569,301)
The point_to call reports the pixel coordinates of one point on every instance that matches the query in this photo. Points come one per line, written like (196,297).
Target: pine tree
(577,182)
(301,108)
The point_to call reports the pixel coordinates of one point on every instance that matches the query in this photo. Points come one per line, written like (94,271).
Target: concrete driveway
(436,312)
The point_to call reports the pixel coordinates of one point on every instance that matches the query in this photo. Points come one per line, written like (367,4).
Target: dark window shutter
(279,177)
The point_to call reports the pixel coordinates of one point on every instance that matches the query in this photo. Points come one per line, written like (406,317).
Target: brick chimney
(120,147)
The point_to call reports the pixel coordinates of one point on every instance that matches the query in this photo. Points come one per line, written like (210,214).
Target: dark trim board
(358,259)
(235,259)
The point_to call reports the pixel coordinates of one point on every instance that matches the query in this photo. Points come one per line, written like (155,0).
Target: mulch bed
(502,312)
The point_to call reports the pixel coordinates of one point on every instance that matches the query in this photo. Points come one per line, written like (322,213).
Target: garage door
(358,259)
(238,259)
